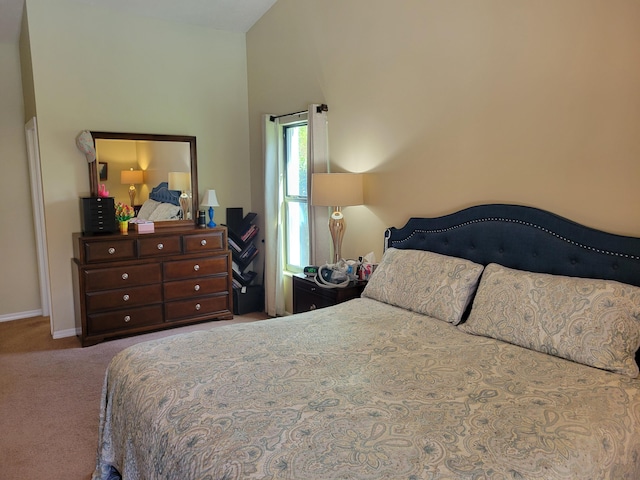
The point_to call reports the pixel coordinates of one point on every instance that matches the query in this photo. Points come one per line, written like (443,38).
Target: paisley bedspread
(362,390)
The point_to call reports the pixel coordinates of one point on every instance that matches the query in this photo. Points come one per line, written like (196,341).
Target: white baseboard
(70,332)
(20,315)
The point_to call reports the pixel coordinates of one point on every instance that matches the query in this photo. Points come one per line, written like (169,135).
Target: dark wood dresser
(130,283)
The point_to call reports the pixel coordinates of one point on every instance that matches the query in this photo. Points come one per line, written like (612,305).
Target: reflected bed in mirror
(156,174)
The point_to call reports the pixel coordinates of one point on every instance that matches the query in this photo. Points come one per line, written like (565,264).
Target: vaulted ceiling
(231,15)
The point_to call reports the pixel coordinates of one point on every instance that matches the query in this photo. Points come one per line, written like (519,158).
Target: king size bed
(497,342)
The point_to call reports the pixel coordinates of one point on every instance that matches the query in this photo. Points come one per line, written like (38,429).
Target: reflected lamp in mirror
(132,178)
(210,200)
(336,190)
(181,181)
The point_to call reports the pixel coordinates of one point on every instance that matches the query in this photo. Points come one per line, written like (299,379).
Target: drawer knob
(196,267)
(198,307)
(127,318)
(125,276)
(313,306)
(203,242)
(196,288)
(125,297)
(111,251)
(160,246)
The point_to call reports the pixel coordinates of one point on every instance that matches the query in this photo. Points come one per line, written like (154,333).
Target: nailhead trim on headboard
(511,220)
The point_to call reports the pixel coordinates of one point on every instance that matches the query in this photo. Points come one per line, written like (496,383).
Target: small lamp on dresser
(210,200)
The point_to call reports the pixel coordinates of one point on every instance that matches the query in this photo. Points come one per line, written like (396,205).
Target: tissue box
(144,227)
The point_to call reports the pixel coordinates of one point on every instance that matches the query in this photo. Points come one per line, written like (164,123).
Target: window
(296,201)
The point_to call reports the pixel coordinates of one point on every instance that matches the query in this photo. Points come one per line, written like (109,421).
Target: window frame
(291,199)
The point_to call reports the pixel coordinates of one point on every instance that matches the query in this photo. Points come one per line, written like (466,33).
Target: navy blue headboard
(524,238)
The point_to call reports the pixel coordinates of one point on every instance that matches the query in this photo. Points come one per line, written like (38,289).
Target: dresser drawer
(204,242)
(120,277)
(109,250)
(124,319)
(159,246)
(196,267)
(196,307)
(124,297)
(195,287)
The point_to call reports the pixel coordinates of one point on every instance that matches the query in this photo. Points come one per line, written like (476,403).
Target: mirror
(162,168)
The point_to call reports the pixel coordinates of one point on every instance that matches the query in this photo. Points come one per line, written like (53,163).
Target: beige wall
(447,104)
(19,290)
(97,69)
(444,104)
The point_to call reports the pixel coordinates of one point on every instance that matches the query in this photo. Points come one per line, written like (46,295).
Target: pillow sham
(165,211)
(589,321)
(425,282)
(147,209)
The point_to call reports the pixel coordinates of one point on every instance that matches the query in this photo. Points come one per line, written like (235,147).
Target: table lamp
(336,190)
(210,200)
(131,177)
(181,181)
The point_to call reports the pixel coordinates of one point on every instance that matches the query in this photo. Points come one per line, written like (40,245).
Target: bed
(496,342)
(163,204)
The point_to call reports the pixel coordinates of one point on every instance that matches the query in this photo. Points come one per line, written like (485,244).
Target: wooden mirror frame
(93,171)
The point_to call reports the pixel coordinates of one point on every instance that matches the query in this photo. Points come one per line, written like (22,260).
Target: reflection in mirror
(156,174)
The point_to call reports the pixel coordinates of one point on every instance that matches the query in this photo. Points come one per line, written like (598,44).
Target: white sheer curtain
(317,160)
(274,216)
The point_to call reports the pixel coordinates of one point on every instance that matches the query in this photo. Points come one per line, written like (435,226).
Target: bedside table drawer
(307,295)
(305,301)
(309,287)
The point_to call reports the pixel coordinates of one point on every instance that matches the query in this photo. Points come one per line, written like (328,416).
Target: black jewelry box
(98,215)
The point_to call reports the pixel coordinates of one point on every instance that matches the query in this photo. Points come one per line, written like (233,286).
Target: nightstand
(307,295)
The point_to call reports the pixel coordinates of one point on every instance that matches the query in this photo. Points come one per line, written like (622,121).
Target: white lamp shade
(210,199)
(179,181)
(336,189)
(131,177)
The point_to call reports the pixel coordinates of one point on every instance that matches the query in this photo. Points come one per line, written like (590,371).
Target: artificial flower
(123,212)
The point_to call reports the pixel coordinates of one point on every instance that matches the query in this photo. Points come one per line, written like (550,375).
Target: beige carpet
(50,398)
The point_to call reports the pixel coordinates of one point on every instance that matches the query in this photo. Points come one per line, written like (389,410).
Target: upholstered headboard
(524,238)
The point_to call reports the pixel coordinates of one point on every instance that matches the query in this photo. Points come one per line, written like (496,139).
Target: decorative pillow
(147,209)
(165,211)
(425,282)
(589,321)
(162,194)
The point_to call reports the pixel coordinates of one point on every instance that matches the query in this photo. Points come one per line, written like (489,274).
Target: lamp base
(132,194)
(211,223)
(184,206)
(337,227)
